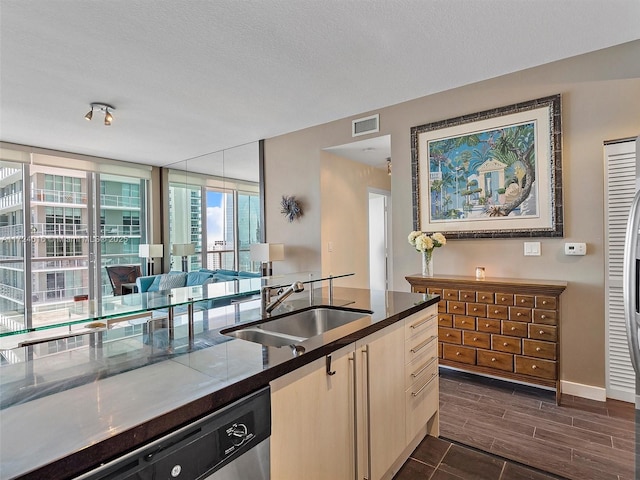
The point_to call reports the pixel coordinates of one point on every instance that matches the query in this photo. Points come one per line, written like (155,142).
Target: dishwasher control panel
(197,450)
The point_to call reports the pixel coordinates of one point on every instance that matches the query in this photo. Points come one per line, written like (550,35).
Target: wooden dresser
(502,327)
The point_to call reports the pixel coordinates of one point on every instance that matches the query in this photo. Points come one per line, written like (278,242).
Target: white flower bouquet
(425,244)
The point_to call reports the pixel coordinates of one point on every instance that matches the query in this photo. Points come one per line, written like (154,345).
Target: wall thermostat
(575,248)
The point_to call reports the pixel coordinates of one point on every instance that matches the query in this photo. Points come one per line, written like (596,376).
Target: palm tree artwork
(484,174)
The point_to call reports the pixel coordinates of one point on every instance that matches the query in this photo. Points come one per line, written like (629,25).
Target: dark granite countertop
(78,412)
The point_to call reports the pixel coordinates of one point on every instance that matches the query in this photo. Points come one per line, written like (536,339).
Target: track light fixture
(104,108)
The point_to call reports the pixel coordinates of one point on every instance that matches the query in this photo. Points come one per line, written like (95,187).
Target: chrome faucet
(266,306)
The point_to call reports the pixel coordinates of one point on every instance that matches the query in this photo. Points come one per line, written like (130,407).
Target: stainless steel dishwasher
(230,444)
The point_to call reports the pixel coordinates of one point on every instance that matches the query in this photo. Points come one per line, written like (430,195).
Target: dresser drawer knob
(538,349)
(493,359)
(483,297)
(522,301)
(544,302)
(486,325)
(543,317)
(506,344)
(475,309)
(502,299)
(496,311)
(457,353)
(448,334)
(519,314)
(534,367)
(463,322)
(541,332)
(513,328)
(475,339)
(455,307)
(466,296)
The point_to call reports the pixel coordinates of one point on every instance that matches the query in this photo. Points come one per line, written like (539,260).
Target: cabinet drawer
(504,298)
(501,361)
(488,325)
(421,403)
(517,329)
(520,314)
(421,366)
(419,289)
(476,339)
(477,309)
(463,321)
(548,303)
(539,349)
(503,343)
(543,332)
(467,295)
(445,320)
(435,291)
(420,322)
(442,306)
(523,301)
(455,307)
(421,345)
(485,297)
(498,311)
(449,294)
(547,317)
(457,353)
(449,335)
(536,367)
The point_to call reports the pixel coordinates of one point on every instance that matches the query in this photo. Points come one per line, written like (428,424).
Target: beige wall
(344,196)
(600,97)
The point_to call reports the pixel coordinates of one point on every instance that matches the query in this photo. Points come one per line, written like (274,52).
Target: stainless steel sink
(297,327)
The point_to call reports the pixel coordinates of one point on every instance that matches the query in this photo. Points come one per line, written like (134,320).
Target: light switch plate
(531,249)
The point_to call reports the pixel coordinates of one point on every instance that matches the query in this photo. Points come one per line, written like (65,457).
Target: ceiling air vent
(366,125)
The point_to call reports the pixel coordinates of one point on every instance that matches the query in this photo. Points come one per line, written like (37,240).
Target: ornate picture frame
(492,174)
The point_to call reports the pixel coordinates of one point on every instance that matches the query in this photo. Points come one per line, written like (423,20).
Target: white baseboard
(584,391)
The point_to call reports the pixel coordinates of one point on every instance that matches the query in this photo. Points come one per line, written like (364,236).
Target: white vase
(427,263)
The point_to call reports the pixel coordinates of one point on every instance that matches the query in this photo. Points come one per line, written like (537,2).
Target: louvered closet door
(620,172)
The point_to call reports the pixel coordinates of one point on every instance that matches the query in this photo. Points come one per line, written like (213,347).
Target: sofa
(175,279)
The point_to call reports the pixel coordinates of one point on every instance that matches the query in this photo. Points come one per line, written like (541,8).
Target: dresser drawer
(485,297)
(445,320)
(517,329)
(543,332)
(503,343)
(442,306)
(463,321)
(457,353)
(448,294)
(456,308)
(548,303)
(524,300)
(435,291)
(419,289)
(546,317)
(536,367)
(501,361)
(539,349)
(449,335)
(498,311)
(477,309)
(504,298)
(519,314)
(476,339)
(467,296)
(488,325)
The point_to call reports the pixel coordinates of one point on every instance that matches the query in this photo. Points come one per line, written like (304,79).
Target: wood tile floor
(520,426)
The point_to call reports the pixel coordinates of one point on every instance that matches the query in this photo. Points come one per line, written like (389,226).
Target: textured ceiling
(193,77)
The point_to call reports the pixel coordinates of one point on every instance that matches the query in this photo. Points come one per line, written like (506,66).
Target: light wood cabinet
(363,421)
(502,327)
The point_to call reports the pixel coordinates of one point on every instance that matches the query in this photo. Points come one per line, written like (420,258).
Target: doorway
(379,239)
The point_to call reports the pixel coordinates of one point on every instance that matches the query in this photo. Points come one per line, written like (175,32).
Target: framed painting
(493,174)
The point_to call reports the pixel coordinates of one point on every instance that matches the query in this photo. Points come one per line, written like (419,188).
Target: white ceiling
(193,77)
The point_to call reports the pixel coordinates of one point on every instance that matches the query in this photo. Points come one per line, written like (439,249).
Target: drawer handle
(457,353)
(483,297)
(541,332)
(424,367)
(455,307)
(415,394)
(493,359)
(519,314)
(534,367)
(448,334)
(543,316)
(464,321)
(475,309)
(419,324)
(544,302)
(475,339)
(496,311)
(506,344)
(486,325)
(538,349)
(522,301)
(424,344)
(466,296)
(513,328)
(502,299)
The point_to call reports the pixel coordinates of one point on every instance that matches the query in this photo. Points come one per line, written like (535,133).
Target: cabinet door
(383,404)
(312,432)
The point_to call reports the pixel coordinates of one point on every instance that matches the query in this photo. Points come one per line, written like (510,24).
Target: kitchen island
(79,411)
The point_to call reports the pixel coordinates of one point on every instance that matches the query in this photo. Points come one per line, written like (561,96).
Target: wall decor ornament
(291,207)
(493,174)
